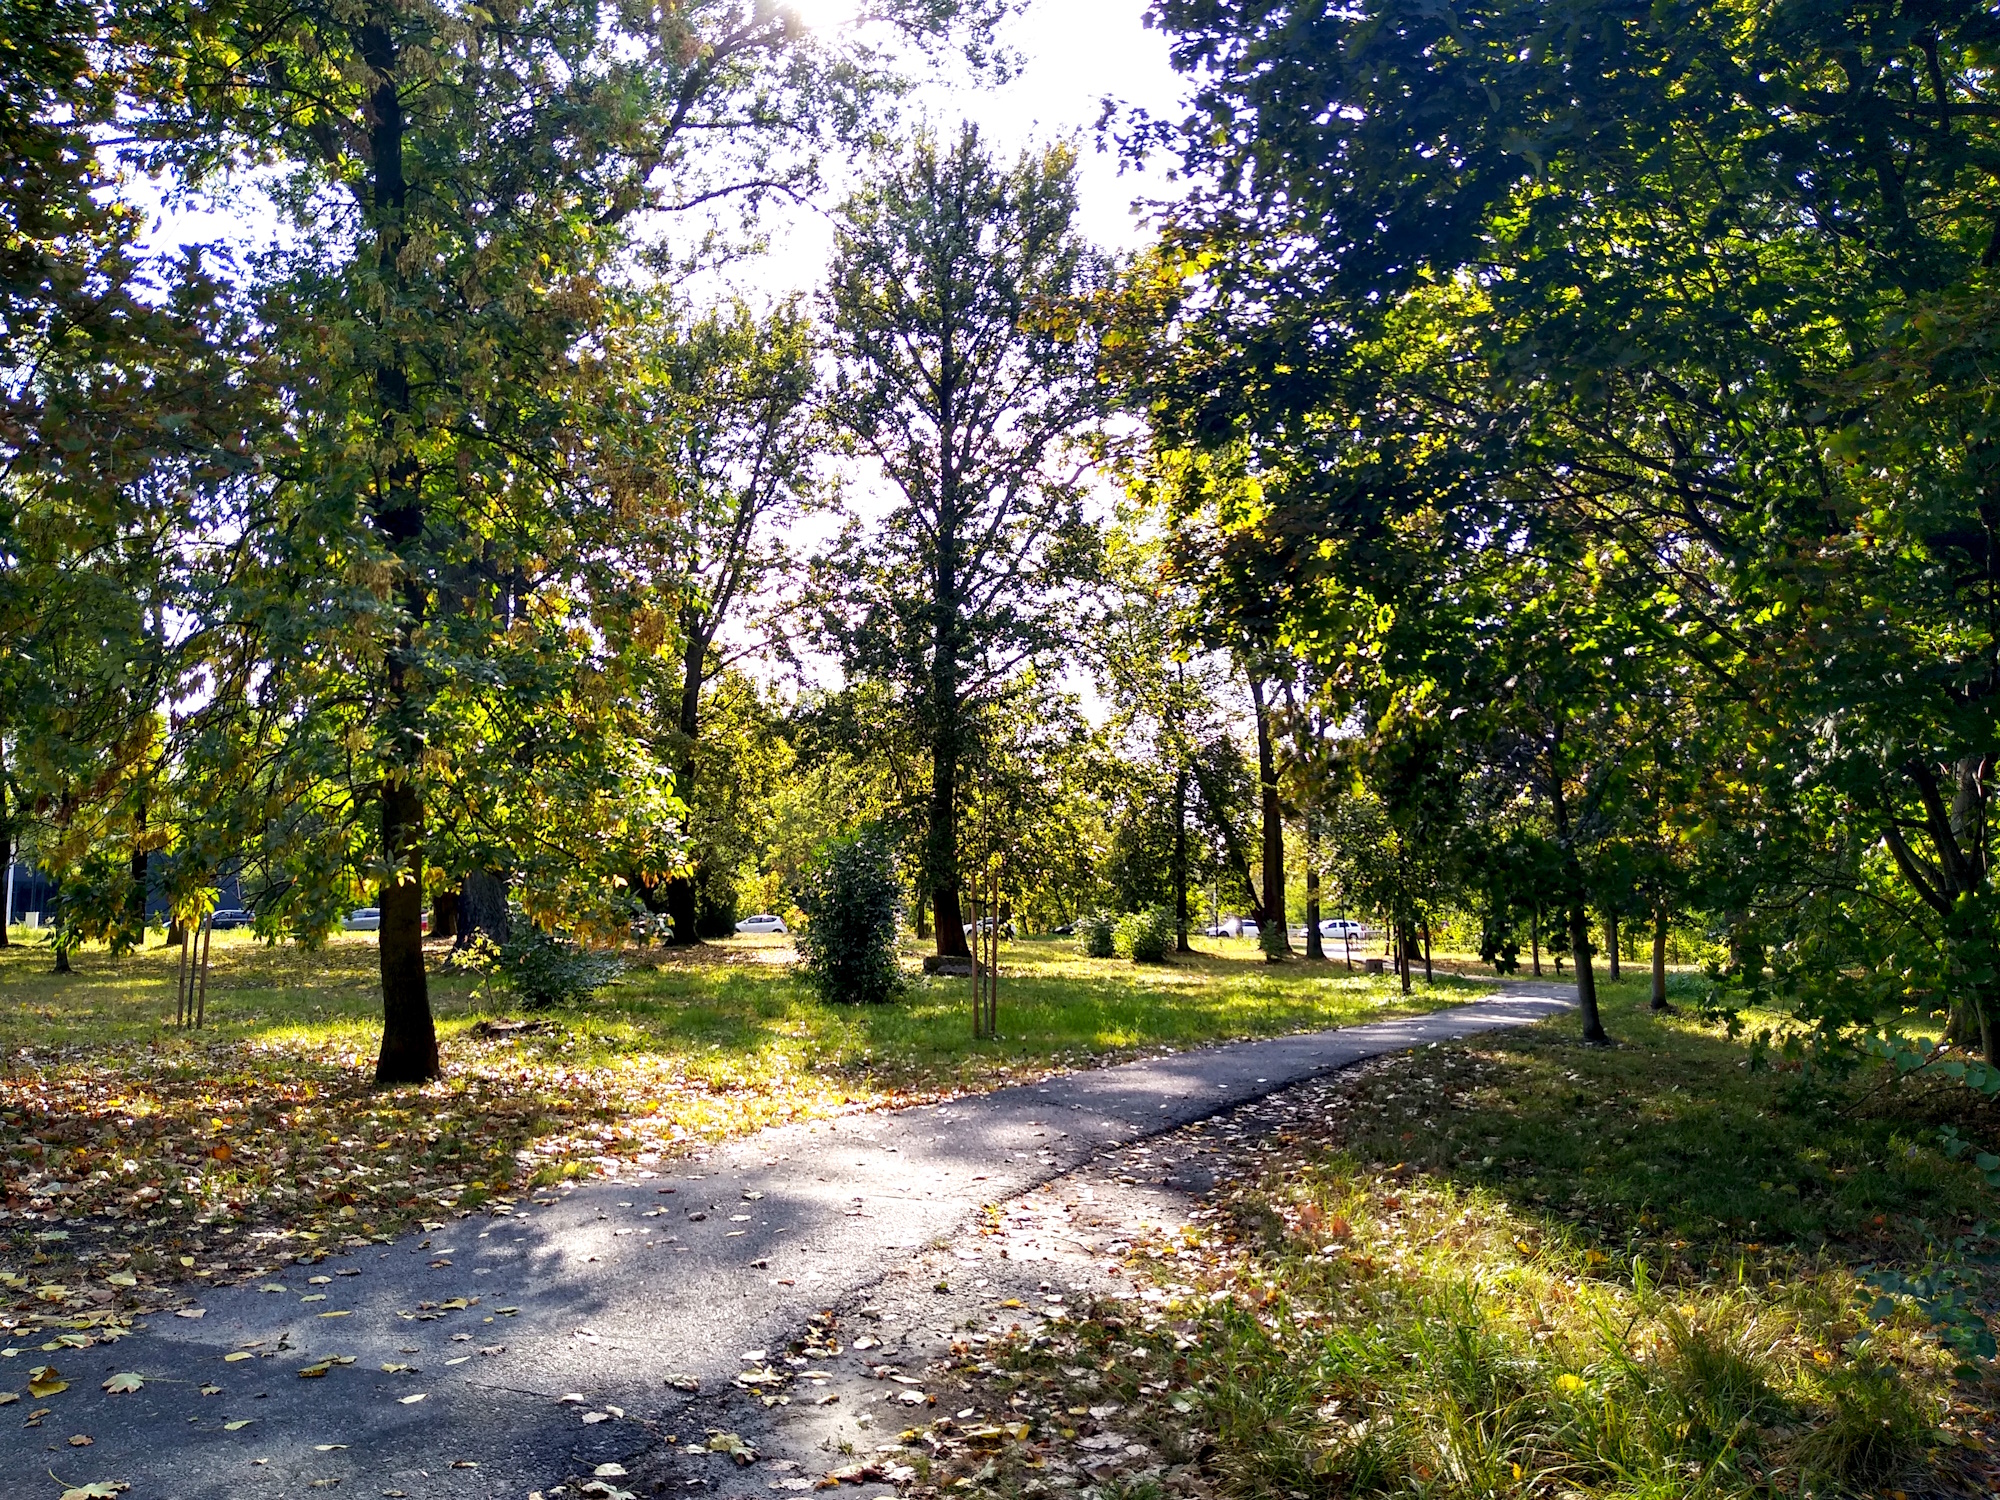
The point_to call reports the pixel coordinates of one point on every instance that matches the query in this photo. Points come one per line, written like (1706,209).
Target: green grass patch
(1525,1267)
(266,1122)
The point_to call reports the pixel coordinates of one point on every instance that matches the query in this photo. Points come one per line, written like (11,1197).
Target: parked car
(763,922)
(1250,930)
(1068,929)
(1341,927)
(363,919)
(231,916)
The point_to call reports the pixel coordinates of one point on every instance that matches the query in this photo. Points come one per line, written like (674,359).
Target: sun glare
(823,15)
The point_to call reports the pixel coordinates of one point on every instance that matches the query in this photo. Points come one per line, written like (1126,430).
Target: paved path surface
(449,1356)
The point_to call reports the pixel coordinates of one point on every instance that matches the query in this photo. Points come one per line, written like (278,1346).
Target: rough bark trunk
(409,1037)
(1181,944)
(682,894)
(482,908)
(444,915)
(6,865)
(1272,921)
(1586,981)
(1611,943)
(1660,960)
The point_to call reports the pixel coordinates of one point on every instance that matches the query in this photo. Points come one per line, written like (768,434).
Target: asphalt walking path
(490,1357)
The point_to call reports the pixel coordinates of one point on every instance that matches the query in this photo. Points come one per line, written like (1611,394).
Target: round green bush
(1146,937)
(1095,935)
(852,902)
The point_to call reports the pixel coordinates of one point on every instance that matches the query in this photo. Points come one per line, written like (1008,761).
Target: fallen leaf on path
(190,1312)
(272,1286)
(46,1380)
(238,1357)
(592,1418)
(399,1369)
(211,1390)
(121,1278)
(609,1471)
(104,1489)
(238,1425)
(684,1382)
(80,1441)
(328,1447)
(124,1385)
(412,1400)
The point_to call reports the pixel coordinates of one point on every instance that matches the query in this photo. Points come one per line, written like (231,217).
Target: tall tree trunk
(1315,944)
(1181,944)
(409,1037)
(482,908)
(1586,981)
(942,853)
(1579,918)
(1611,943)
(1660,958)
(1427,950)
(1271,920)
(6,859)
(444,915)
(923,914)
(1535,940)
(1403,946)
(683,895)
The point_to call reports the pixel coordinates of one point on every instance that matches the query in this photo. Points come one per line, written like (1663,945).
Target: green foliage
(542,970)
(1146,937)
(852,903)
(1096,934)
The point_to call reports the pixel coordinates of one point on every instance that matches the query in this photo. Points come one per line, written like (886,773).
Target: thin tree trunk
(1315,944)
(1660,959)
(1273,828)
(181,982)
(6,860)
(1535,940)
(1427,950)
(1611,942)
(201,991)
(1181,864)
(683,896)
(1586,981)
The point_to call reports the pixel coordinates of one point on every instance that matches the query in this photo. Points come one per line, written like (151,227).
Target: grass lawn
(129,1146)
(1518,1266)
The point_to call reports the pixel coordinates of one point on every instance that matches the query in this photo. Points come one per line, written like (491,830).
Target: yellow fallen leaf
(328,1447)
(239,1356)
(122,1278)
(44,1380)
(238,1425)
(411,1400)
(80,1441)
(340,1314)
(124,1385)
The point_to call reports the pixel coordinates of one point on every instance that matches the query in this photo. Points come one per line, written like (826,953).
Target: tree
(717,456)
(962,326)
(466,180)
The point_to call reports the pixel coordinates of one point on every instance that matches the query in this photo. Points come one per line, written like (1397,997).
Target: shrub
(851,903)
(1095,935)
(1146,937)
(544,969)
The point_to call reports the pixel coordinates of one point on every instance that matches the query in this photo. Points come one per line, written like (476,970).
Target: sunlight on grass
(268,1114)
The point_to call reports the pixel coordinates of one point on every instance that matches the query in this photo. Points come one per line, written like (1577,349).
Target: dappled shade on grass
(266,1127)
(1519,1266)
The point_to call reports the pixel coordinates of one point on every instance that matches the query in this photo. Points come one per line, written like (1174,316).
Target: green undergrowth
(1524,1267)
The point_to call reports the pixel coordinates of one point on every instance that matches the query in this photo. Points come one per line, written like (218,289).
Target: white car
(762,923)
(364,919)
(1341,927)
